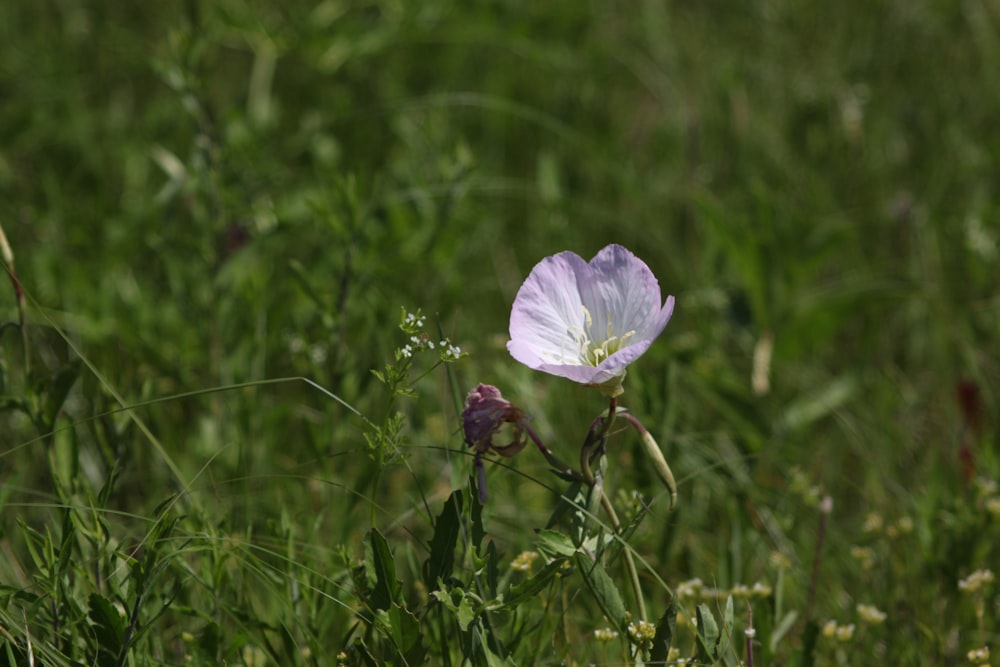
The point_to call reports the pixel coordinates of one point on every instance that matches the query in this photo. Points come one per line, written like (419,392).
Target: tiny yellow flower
(605,634)
(524,561)
(993,506)
(986,487)
(780,561)
(845,632)
(642,632)
(830,629)
(760,590)
(873,523)
(865,557)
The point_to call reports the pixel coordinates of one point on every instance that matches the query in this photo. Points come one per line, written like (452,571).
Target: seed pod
(660,465)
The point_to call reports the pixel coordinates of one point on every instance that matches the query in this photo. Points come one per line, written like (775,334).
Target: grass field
(217,212)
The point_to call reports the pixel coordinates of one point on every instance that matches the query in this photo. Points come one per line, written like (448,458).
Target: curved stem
(598,434)
(554,461)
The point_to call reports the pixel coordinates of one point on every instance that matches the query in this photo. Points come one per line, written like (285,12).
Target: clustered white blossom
(642,632)
(413,324)
(870,614)
(975,581)
(979,656)
(696,588)
(842,633)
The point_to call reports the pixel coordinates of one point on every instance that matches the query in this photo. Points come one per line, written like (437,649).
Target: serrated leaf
(447,528)
(466,613)
(604,591)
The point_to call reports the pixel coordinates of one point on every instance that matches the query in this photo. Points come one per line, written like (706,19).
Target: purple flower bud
(485,412)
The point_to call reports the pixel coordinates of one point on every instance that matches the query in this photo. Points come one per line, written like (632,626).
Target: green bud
(660,465)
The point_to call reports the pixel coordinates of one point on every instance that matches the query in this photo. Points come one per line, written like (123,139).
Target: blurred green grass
(202,195)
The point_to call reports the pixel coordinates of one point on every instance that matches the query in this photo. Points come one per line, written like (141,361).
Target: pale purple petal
(567,306)
(546,309)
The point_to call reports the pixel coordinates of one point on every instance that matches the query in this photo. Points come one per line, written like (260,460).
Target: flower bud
(660,465)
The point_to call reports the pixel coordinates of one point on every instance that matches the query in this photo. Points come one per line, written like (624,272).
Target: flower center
(595,350)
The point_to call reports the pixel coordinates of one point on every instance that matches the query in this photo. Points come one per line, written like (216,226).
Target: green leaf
(58,389)
(109,628)
(781,629)
(819,403)
(464,610)
(466,613)
(515,595)
(604,591)
(492,569)
(727,652)
(708,635)
(447,528)
(554,544)
(565,504)
(809,637)
(407,635)
(380,570)
(664,635)
(208,640)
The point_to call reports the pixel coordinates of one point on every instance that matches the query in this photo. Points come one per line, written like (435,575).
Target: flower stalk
(593,448)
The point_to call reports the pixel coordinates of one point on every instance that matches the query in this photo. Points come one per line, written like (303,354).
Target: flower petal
(621,292)
(546,309)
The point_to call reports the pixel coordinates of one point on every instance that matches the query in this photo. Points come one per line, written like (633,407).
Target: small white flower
(870,614)
(975,581)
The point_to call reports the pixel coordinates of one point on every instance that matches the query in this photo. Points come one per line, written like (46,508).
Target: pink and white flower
(587,321)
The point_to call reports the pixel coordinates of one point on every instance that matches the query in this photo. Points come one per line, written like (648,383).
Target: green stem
(561,466)
(633,573)
(599,436)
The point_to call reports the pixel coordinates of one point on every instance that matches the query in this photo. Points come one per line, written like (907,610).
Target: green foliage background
(200,195)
